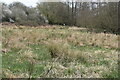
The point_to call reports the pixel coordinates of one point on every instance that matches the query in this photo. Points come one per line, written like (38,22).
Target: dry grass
(74,53)
(100,39)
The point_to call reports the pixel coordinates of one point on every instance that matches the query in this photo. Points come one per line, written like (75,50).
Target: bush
(22,15)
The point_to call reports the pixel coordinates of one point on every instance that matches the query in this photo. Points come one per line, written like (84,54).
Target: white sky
(26,2)
(33,2)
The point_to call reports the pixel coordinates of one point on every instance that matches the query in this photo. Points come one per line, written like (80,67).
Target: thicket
(93,15)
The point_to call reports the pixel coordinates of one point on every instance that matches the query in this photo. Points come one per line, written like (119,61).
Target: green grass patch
(112,74)
(38,70)
(42,51)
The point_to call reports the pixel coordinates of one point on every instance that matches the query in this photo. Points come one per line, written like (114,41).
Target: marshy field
(58,51)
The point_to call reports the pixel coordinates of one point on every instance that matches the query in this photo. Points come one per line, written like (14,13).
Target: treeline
(98,15)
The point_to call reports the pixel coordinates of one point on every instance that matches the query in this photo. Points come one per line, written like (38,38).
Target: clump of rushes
(63,51)
(57,49)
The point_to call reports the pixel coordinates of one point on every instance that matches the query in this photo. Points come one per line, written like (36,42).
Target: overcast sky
(33,2)
(29,2)
(26,2)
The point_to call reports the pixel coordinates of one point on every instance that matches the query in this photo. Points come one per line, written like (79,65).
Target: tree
(5,12)
(55,12)
(26,15)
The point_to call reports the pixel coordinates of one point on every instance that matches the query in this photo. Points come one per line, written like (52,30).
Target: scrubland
(58,51)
